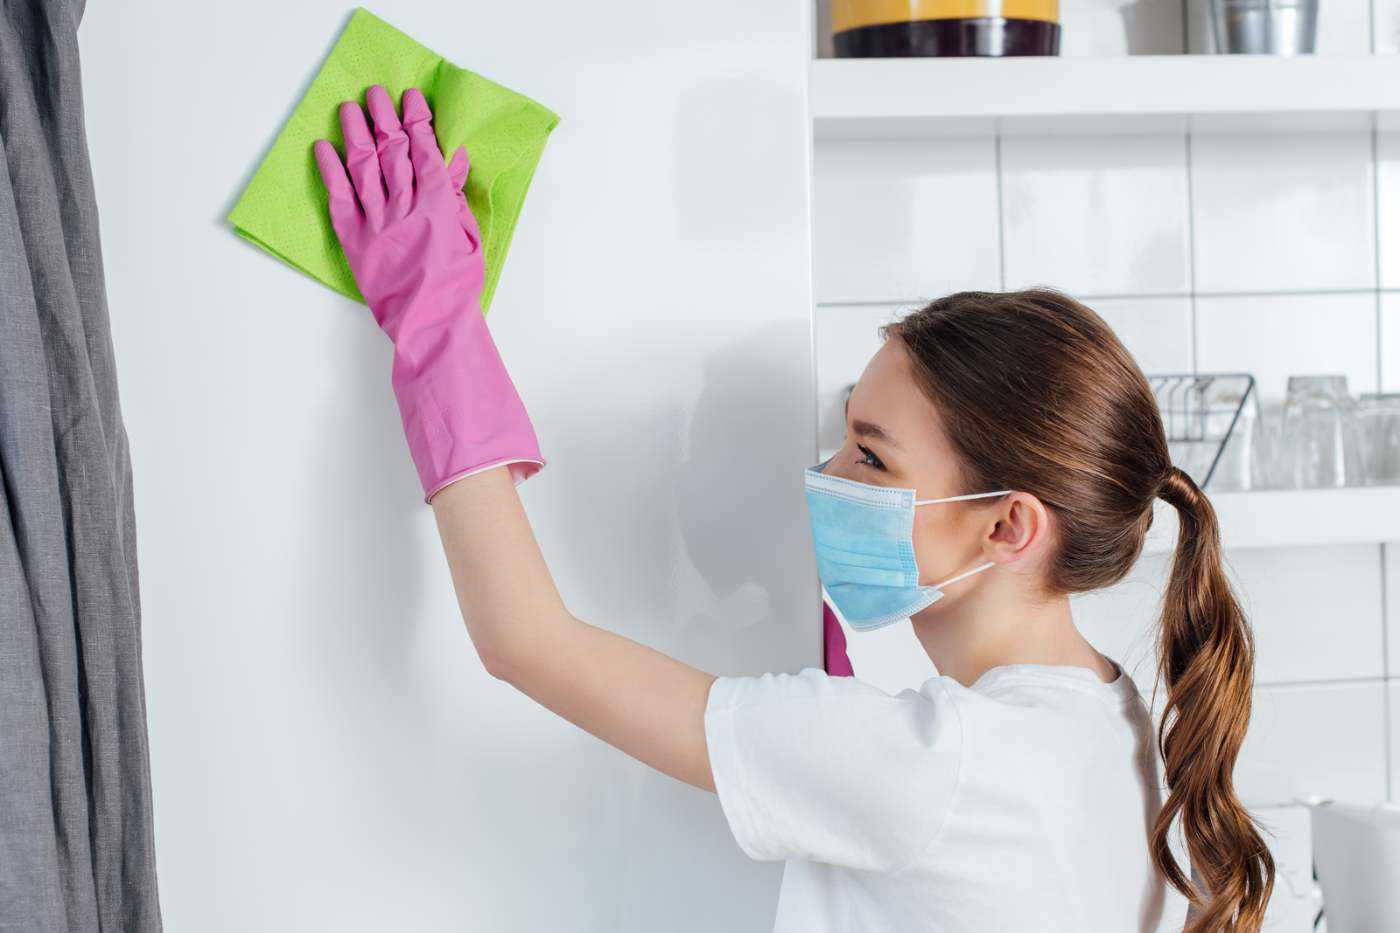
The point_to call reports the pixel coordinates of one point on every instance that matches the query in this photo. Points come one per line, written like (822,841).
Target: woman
(1017,790)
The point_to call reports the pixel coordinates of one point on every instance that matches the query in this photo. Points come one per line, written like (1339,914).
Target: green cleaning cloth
(283,209)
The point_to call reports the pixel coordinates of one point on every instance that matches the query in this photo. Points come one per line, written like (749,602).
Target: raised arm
(644,702)
(415,251)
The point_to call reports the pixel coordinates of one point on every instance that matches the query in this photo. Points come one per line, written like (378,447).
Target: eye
(870,459)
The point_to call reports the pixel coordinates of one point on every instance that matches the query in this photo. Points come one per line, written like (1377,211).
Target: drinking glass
(1268,462)
(1380,433)
(1235,469)
(1321,434)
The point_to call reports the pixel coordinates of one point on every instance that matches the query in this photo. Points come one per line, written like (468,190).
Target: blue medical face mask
(864,539)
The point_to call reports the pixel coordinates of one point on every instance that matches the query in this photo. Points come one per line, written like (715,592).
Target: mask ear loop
(972,495)
(964,575)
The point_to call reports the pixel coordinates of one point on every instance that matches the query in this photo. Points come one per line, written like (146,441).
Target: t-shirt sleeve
(832,769)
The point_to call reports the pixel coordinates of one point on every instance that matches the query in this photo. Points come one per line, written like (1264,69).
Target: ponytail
(1206,659)
(1035,392)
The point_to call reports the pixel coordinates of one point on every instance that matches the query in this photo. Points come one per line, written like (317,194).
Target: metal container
(1269,27)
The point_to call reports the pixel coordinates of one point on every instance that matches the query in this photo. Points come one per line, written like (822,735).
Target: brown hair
(1036,393)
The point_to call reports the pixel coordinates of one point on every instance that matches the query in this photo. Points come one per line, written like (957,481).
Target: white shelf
(1293,518)
(912,97)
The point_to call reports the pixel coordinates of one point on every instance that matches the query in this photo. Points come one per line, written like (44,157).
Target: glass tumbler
(1268,461)
(1234,471)
(1321,436)
(1380,434)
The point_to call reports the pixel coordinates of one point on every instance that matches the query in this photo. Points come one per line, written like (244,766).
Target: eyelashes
(870,459)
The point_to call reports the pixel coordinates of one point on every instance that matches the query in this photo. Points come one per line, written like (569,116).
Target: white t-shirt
(1023,802)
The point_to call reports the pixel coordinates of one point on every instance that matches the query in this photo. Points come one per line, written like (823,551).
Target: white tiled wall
(1322,738)
(1217,248)
(1283,211)
(1390,342)
(1101,215)
(914,188)
(1275,335)
(1393,694)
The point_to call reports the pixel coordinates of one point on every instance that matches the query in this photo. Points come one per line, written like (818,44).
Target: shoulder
(843,723)
(831,768)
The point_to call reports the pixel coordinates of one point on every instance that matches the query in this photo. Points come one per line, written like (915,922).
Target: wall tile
(1275,336)
(1156,331)
(903,220)
(1388,202)
(1098,215)
(1386,24)
(1120,27)
(846,339)
(1316,611)
(1326,739)
(1390,342)
(1280,211)
(1121,620)
(1393,692)
(1343,27)
(1296,897)
(1391,559)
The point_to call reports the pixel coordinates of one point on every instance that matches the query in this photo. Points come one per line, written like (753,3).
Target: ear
(1022,526)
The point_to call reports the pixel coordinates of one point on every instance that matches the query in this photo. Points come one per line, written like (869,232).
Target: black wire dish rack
(1206,417)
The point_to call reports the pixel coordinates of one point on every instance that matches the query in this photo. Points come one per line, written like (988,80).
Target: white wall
(327,752)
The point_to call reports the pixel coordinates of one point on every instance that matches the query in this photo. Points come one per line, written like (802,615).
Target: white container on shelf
(1356,850)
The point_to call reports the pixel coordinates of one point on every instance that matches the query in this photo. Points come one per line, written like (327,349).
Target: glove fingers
(429,172)
(362,161)
(392,145)
(457,170)
(342,197)
(458,167)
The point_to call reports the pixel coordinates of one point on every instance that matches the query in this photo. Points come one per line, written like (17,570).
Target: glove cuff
(460,409)
(520,470)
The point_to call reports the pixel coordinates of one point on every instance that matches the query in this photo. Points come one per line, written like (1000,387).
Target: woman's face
(894,437)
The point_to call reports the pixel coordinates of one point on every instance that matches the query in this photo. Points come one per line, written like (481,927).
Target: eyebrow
(869,429)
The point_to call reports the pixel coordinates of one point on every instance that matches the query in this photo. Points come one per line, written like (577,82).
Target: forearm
(637,699)
(504,588)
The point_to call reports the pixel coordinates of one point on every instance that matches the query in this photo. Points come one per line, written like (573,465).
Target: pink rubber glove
(415,251)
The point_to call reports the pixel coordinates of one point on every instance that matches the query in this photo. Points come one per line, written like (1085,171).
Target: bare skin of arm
(645,703)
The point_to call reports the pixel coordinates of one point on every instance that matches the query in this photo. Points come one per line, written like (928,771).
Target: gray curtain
(76,843)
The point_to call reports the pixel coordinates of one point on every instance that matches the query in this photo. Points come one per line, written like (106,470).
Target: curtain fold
(76,838)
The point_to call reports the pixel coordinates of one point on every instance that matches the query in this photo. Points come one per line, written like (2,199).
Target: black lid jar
(913,28)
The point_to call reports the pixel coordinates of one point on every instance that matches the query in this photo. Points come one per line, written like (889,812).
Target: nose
(825,466)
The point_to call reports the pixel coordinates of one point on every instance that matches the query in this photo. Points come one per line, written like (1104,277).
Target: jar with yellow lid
(904,28)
